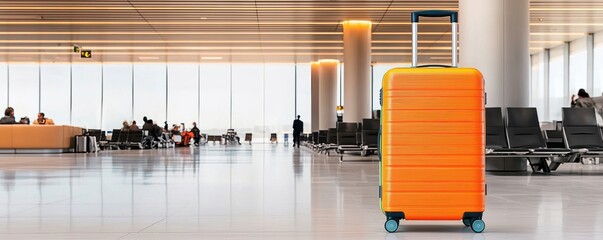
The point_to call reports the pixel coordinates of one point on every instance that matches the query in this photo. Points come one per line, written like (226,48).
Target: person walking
(197,134)
(298,129)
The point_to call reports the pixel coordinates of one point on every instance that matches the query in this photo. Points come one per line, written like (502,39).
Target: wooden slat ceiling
(249,31)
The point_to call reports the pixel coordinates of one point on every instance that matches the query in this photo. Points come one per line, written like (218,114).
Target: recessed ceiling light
(203,18)
(211,58)
(148,58)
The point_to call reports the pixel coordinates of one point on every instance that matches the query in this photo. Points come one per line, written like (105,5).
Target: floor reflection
(263,190)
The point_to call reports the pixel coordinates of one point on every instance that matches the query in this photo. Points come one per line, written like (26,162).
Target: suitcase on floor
(432,141)
(92,144)
(81,144)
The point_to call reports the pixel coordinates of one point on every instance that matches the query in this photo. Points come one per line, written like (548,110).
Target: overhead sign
(76,48)
(86,53)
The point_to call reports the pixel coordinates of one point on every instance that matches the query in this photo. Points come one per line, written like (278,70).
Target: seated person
(134,126)
(9,116)
(231,135)
(42,120)
(147,125)
(175,130)
(126,126)
(157,131)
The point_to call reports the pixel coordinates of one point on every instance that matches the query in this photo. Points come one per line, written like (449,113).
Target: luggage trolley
(426,108)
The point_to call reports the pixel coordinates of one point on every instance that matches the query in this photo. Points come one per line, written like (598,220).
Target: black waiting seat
(322,140)
(347,137)
(496,135)
(322,136)
(346,134)
(114,141)
(581,130)
(554,138)
(370,133)
(248,137)
(309,137)
(581,134)
(135,138)
(96,133)
(359,134)
(123,136)
(332,136)
(331,141)
(314,143)
(524,132)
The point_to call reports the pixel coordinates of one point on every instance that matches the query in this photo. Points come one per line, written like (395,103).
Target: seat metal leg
(554,166)
(544,166)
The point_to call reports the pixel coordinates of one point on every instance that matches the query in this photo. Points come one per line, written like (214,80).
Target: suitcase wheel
(478,226)
(467,222)
(391,225)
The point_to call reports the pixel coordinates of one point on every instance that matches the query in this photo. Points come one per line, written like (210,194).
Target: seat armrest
(579,150)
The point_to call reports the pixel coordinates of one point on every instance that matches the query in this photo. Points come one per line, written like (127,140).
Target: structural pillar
(328,93)
(357,71)
(495,39)
(315,122)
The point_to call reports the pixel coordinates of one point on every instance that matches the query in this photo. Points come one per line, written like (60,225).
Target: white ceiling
(248,31)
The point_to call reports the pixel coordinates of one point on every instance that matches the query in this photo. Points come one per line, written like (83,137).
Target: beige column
(357,71)
(315,67)
(495,39)
(328,93)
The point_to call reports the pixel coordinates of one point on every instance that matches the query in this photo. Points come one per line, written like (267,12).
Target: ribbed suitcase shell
(433,143)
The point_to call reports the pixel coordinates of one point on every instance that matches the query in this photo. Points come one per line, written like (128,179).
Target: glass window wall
(215,98)
(117,96)
(3,86)
(150,92)
(248,96)
(556,85)
(183,94)
(537,85)
(598,65)
(304,95)
(87,82)
(24,87)
(279,98)
(55,92)
(252,98)
(577,66)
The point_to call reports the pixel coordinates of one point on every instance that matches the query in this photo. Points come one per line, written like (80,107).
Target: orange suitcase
(432,141)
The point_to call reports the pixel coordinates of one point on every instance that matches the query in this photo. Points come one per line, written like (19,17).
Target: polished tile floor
(264,192)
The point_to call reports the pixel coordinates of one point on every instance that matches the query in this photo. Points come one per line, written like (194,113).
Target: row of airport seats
(128,139)
(362,138)
(521,136)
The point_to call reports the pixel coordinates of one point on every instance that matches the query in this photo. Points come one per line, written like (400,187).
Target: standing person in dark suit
(298,129)
(197,133)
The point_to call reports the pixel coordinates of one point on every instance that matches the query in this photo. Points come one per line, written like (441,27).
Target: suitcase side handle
(434,13)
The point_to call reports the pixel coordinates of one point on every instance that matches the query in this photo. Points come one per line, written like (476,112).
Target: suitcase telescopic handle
(434,13)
